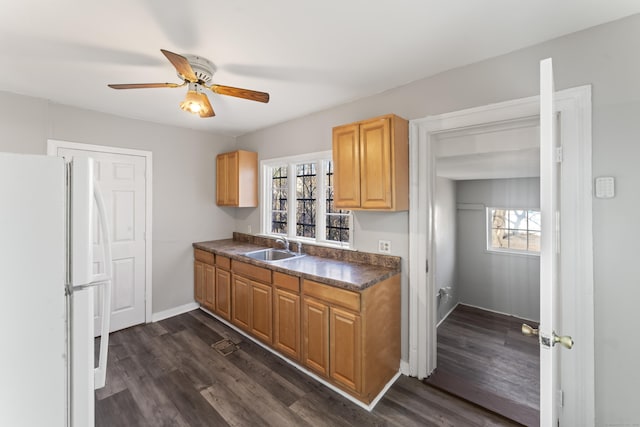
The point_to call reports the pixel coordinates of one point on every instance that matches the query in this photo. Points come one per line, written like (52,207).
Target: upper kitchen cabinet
(237,179)
(371,164)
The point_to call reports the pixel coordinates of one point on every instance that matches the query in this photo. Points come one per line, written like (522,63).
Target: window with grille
(298,196)
(513,230)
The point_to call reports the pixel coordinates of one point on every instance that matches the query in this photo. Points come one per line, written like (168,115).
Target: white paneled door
(121,177)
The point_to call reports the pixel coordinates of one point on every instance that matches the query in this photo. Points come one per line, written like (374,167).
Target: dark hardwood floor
(168,374)
(484,358)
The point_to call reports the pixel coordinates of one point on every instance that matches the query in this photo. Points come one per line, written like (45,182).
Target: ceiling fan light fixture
(196,102)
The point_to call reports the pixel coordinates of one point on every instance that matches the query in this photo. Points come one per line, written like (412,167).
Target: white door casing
(123,176)
(574,109)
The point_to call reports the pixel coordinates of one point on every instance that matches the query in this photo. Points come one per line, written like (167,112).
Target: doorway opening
(125,177)
(576,299)
(486,265)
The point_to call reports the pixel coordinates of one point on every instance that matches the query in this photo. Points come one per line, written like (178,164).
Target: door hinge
(427,265)
(558,154)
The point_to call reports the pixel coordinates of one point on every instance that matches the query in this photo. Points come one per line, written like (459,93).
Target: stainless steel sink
(272,255)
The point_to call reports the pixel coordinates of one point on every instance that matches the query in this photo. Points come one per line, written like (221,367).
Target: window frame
(489,228)
(321,159)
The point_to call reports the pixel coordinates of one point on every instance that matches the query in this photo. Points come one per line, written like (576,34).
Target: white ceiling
(309,55)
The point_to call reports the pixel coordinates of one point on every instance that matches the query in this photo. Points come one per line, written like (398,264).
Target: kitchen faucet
(284,241)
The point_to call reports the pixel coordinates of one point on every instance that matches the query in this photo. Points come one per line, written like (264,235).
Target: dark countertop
(342,274)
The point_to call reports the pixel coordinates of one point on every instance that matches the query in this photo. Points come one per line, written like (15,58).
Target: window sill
(513,253)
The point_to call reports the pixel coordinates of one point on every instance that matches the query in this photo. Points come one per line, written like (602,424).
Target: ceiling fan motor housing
(202,68)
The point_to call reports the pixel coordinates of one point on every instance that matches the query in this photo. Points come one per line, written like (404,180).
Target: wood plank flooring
(484,358)
(168,374)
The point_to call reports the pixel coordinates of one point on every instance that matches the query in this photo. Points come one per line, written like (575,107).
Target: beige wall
(604,56)
(184,207)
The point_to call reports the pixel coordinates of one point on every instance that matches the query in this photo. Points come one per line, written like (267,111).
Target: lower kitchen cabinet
(209,286)
(198,281)
(351,338)
(286,323)
(222,305)
(345,348)
(261,311)
(252,301)
(241,302)
(315,336)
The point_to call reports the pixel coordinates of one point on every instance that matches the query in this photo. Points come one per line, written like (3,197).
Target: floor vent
(225,347)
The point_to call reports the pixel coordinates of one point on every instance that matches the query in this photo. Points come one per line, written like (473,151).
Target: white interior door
(550,284)
(121,178)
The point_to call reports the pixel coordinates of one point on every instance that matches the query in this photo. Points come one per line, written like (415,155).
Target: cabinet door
(231,198)
(223,294)
(375,164)
(346,164)
(315,336)
(198,278)
(209,286)
(261,311)
(241,302)
(345,349)
(221,179)
(287,323)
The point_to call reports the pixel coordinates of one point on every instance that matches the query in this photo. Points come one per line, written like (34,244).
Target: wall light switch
(605,187)
(384,246)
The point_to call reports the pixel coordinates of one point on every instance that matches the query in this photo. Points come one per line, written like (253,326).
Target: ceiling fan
(196,72)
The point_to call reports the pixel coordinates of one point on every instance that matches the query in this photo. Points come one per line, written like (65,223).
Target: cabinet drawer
(223,262)
(286,281)
(330,294)
(251,271)
(203,256)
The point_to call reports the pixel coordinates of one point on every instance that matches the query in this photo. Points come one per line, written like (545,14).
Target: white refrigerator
(51,216)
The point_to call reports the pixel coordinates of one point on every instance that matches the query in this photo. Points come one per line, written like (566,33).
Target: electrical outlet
(384,246)
(249,229)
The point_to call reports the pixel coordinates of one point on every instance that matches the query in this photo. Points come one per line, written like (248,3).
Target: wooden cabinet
(222,305)
(237,179)
(345,348)
(209,286)
(261,314)
(371,164)
(241,302)
(286,315)
(198,276)
(350,338)
(252,300)
(353,338)
(204,278)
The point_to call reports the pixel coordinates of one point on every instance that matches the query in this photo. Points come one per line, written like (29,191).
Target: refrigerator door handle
(100,372)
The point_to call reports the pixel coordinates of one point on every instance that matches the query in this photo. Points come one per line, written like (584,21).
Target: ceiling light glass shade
(197,103)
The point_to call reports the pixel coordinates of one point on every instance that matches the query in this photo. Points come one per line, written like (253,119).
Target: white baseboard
(499,312)
(404,368)
(363,405)
(447,315)
(175,311)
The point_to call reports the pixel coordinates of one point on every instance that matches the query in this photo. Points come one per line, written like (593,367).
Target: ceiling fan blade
(182,65)
(207,111)
(240,93)
(143,85)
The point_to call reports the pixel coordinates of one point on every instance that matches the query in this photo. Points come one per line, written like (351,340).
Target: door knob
(564,340)
(528,330)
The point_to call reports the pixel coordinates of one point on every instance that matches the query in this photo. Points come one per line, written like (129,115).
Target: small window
(298,201)
(513,230)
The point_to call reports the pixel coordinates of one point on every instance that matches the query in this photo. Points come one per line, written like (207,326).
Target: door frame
(52,148)
(574,107)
